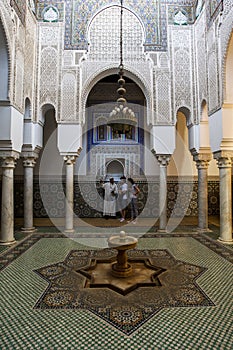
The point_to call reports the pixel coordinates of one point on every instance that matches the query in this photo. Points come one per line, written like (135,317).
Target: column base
(225,242)
(161,230)
(69,231)
(8,243)
(28,229)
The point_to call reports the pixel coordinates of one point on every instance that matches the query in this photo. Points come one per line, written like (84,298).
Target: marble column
(28,163)
(202,163)
(163,162)
(225,165)
(69,216)
(7,214)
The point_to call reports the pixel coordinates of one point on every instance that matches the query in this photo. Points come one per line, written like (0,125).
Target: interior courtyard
(125,89)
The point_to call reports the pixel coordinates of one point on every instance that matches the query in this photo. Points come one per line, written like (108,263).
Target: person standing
(134,191)
(110,196)
(123,196)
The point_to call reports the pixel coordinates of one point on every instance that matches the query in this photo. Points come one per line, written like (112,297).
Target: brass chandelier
(121,112)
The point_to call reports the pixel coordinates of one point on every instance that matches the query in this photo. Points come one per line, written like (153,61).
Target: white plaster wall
(33,134)
(213,168)
(50,161)
(163,139)
(182,163)
(80,167)
(216,132)
(11,128)
(227,122)
(151,163)
(69,138)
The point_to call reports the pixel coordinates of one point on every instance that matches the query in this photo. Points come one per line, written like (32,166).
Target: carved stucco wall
(8,19)
(226,29)
(68,95)
(162,95)
(170,80)
(200,63)
(100,156)
(104,50)
(30,61)
(49,63)
(213,70)
(20,29)
(181,40)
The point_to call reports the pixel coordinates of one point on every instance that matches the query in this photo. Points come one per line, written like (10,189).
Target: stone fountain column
(69,216)
(202,163)
(225,164)
(163,160)
(7,212)
(28,163)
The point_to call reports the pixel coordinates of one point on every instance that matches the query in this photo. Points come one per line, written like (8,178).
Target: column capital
(8,162)
(70,160)
(4,155)
(202,164)
(29,162)
(202,160)
(224,162)
(223,154)
(163,159)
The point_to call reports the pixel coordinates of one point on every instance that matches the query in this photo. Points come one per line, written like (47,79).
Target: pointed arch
(186,112)
(126,8)
(111,70)
(27,109)
(204,111)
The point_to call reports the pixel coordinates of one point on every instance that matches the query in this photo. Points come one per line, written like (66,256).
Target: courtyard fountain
(122,243)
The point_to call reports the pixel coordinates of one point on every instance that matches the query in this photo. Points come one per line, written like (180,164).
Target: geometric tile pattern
(79,13)
(67,289)
(13,253)
(183,328)
(7,257)
(182,199)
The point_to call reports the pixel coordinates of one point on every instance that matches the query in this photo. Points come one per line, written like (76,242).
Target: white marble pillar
(28,164)
(202,163)
(7,214)
(163,163)
(69,216)
(225,165)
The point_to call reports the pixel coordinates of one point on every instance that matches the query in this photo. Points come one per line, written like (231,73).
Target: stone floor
(201,319)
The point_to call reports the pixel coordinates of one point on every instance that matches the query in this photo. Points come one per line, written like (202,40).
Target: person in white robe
(110,196)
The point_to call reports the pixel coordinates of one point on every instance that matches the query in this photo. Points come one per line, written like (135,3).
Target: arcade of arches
(59,63)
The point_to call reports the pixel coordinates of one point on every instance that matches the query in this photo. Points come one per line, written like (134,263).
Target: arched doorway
(115,169)
(107,139)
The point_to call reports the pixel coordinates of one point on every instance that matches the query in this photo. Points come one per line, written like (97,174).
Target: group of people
(122,195)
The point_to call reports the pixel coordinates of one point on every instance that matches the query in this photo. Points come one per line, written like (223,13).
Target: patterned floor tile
(196,328)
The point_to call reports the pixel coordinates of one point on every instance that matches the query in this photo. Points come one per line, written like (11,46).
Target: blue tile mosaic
(153,14)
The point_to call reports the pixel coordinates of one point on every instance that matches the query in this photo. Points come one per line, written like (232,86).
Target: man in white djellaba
(110,196)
